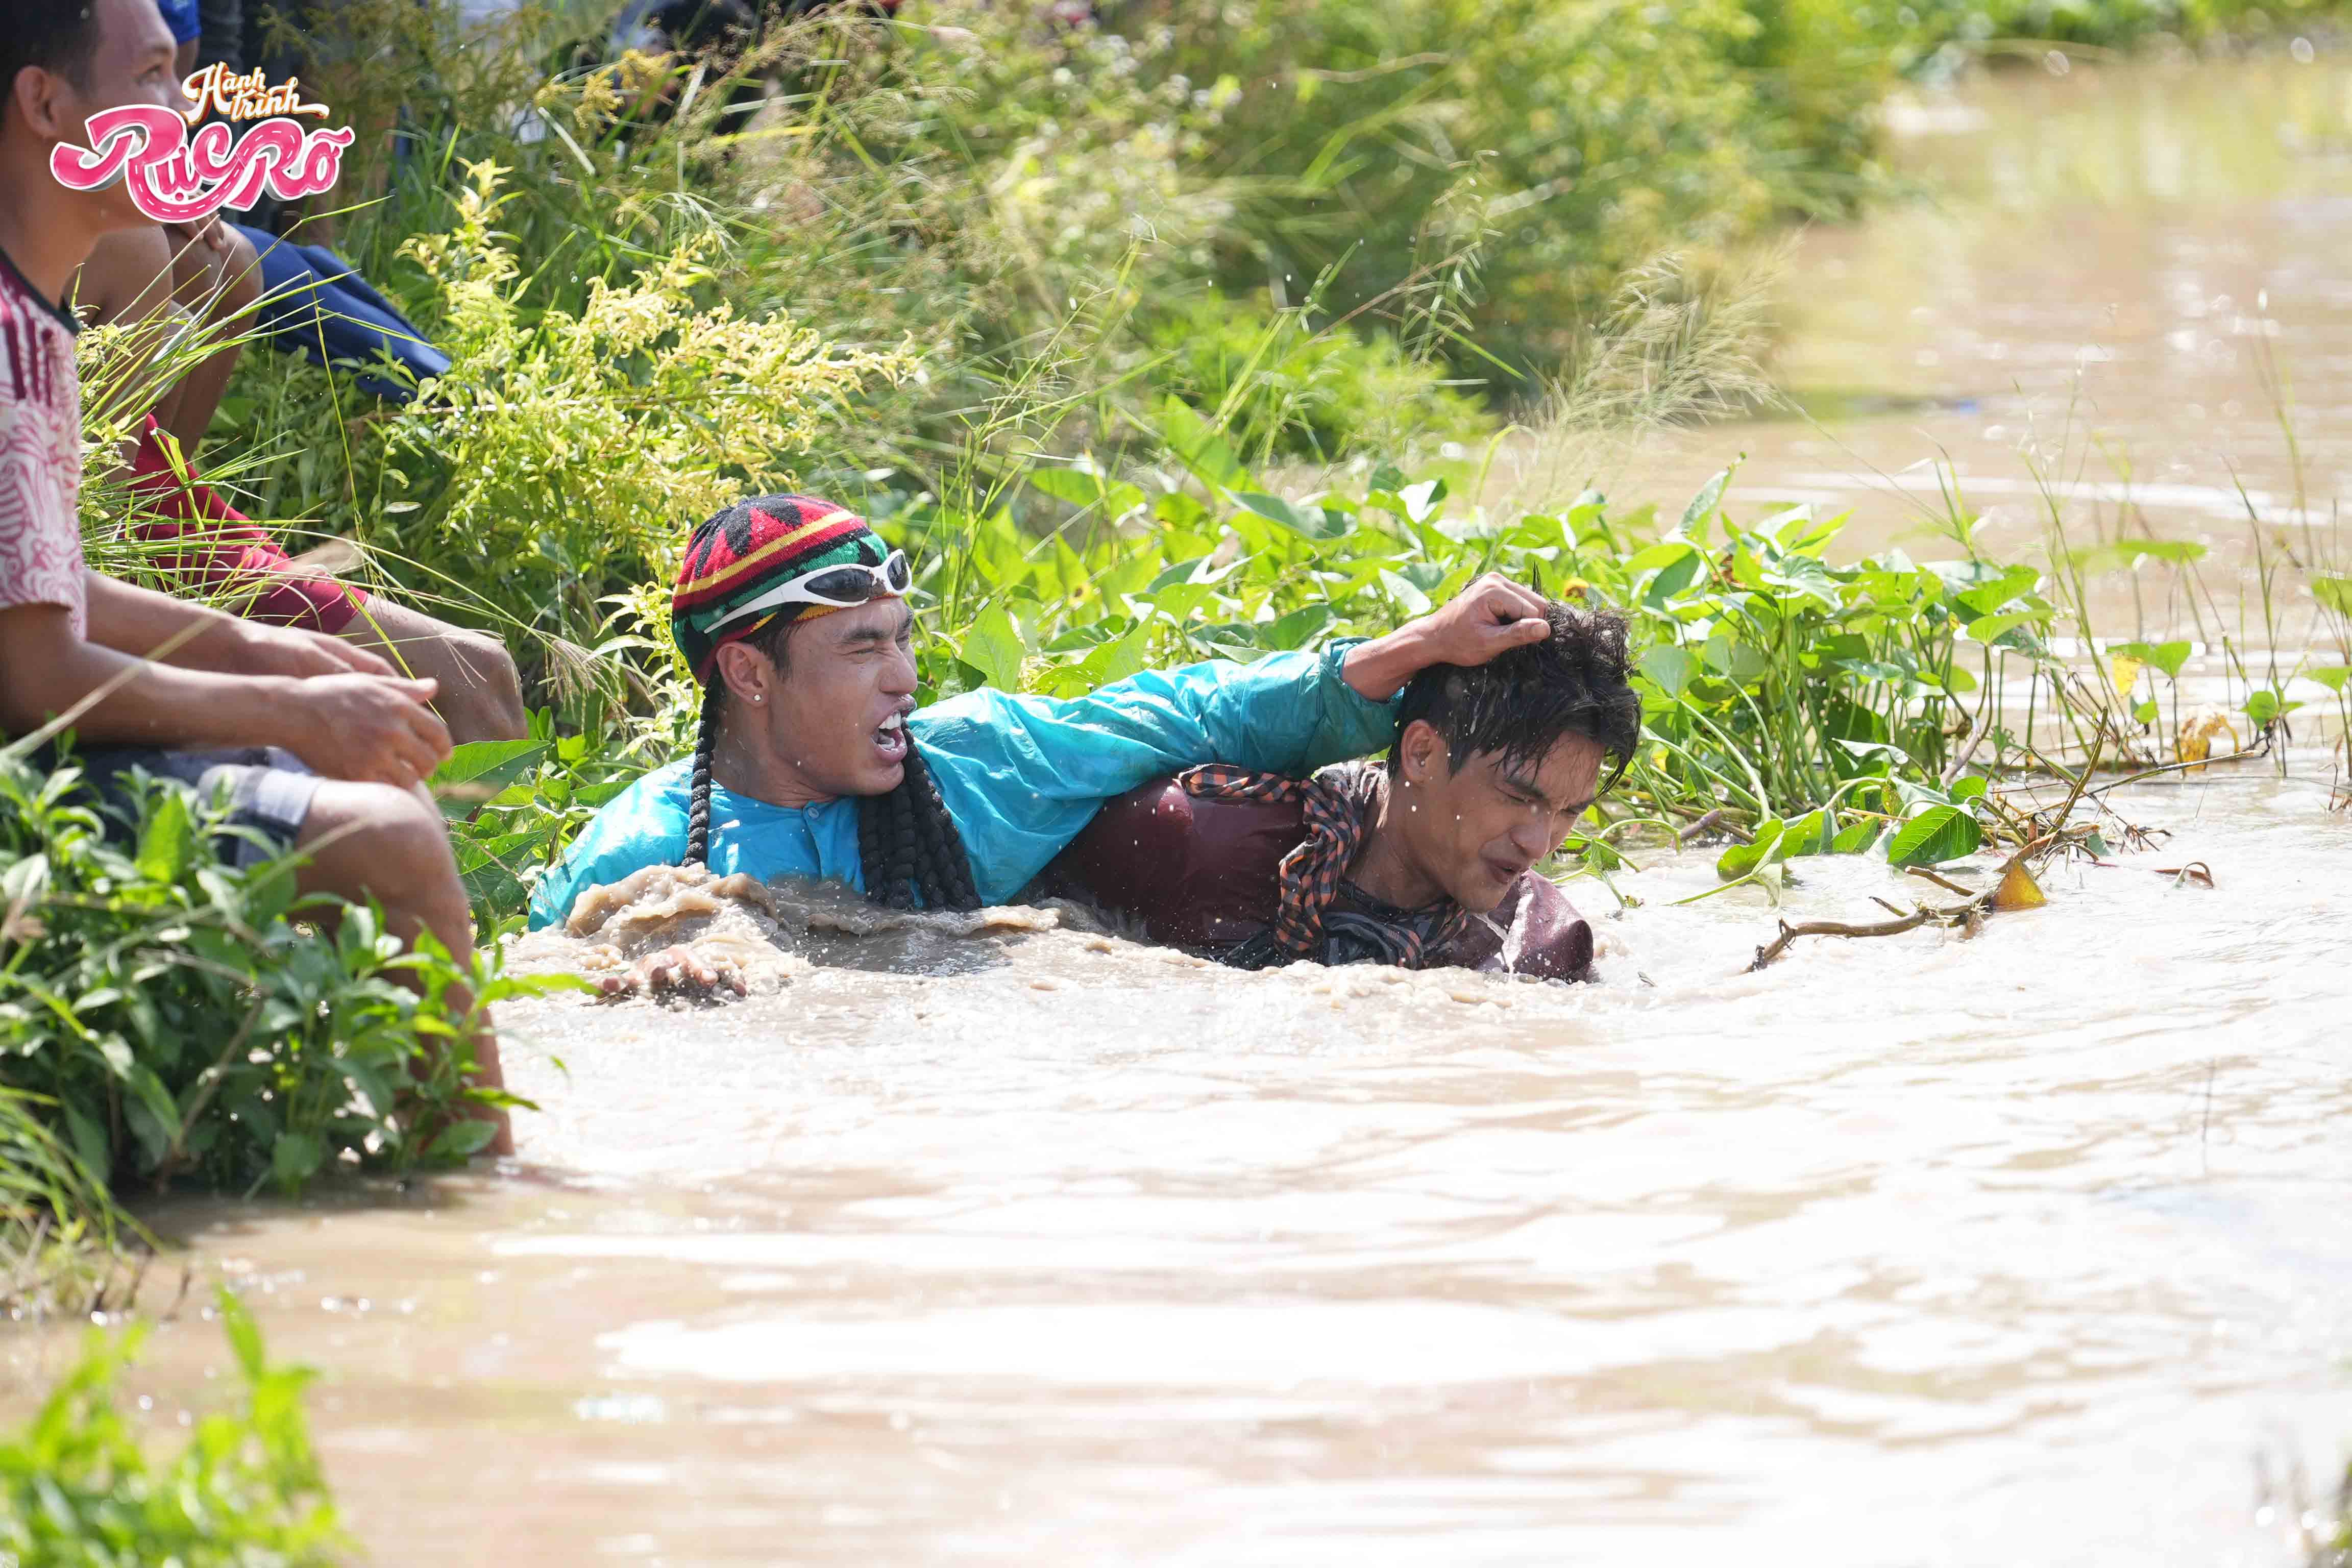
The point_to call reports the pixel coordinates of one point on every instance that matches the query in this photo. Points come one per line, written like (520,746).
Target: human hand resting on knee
(370,728)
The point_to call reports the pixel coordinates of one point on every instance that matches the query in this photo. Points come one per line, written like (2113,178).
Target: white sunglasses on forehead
(834,587)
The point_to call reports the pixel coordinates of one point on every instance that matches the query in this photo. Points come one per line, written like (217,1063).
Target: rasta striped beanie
(750,548)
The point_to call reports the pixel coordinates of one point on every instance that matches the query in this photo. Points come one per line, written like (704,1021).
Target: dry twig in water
(1968,917)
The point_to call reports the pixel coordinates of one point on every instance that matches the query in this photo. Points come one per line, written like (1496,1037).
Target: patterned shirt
(40,453)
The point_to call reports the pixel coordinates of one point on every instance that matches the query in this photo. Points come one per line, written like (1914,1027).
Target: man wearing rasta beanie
(907,847)
(810,760)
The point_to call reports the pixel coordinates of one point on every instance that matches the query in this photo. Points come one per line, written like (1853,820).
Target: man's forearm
(148,624)
(1379,669)
(131,700)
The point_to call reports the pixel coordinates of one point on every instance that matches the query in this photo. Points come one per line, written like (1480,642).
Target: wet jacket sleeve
(1022,776)
(644,825)
(1544,936)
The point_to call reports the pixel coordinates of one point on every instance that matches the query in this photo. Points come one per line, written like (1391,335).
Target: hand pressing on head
(680,969)
(1491,617)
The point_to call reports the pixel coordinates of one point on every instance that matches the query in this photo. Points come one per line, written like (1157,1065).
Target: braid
(948,869)
(910,847)
(871,809)
(697,807)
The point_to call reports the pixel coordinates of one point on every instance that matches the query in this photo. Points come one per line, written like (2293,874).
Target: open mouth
(890,738)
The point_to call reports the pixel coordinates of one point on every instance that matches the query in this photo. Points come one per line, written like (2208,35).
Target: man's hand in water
(1492,616)
(680,969)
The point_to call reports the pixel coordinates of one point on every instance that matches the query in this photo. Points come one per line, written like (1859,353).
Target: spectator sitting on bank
(210,275)
(139,275)
(325,746)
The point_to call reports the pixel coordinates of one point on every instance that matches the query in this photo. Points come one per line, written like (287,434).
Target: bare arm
(218,281)
(346,726)
(1492,615)
(147,624)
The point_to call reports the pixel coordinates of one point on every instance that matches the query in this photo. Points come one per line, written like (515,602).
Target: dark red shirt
(1203,874)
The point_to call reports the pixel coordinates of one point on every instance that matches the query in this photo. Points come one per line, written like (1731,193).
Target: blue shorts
(267,792)
(181,16)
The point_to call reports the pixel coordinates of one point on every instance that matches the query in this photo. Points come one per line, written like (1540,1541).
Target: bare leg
(369,840)
(221,291)
(481,695)
(127,280)
(155,278)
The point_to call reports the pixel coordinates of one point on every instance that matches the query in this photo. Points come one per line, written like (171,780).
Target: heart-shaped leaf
(1938,834)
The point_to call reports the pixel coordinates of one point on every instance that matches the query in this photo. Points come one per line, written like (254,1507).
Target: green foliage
(59,1226)
(170,1015)
(567,451)
(1775,682)
(513,805)
(78,1490)
(1285,391)
(1485,172)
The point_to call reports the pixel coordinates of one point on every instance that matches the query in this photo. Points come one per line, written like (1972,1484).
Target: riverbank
(917,1268)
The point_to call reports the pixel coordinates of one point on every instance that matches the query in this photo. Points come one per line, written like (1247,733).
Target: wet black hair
(58,35)
(913,855)
(1521,703)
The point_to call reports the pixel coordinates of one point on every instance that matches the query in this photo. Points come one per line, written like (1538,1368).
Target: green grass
(78,1488)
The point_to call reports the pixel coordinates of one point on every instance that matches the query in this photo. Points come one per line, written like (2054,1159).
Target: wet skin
(1469,833)
(830,721)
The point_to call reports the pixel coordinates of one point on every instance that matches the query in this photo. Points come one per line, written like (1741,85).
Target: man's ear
(1421,751)
(46,103)
(749,675)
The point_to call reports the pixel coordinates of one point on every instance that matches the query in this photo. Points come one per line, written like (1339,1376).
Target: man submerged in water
(812,760)
(1425,860)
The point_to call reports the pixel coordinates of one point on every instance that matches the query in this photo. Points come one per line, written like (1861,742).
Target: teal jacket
(1021,776)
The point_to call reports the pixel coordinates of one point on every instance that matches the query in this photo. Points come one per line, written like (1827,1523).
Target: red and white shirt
(40,453)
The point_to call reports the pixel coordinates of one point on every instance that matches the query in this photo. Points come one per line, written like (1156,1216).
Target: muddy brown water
(1042,1248)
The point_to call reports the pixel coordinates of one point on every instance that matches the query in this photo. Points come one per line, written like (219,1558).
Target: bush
(1770,656)
(167,1016)
(1284,391)
(1560,144)
(77,1490)
(567,452)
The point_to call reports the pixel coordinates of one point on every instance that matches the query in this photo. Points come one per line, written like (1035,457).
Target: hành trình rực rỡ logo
(175,175)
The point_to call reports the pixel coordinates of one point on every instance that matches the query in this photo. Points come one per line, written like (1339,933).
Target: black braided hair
(909,846)
(698,800)
(907,842)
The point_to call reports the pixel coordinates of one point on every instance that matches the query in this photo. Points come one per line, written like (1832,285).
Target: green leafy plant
(173,1016)
(79,1490)
(559,455)
(1285,391)
(513,805)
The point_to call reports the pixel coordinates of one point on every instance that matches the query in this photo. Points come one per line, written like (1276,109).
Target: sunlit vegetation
(79,1487)
(1179,336)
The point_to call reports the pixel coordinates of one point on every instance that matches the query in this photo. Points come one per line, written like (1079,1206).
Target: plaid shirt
(1340,804)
